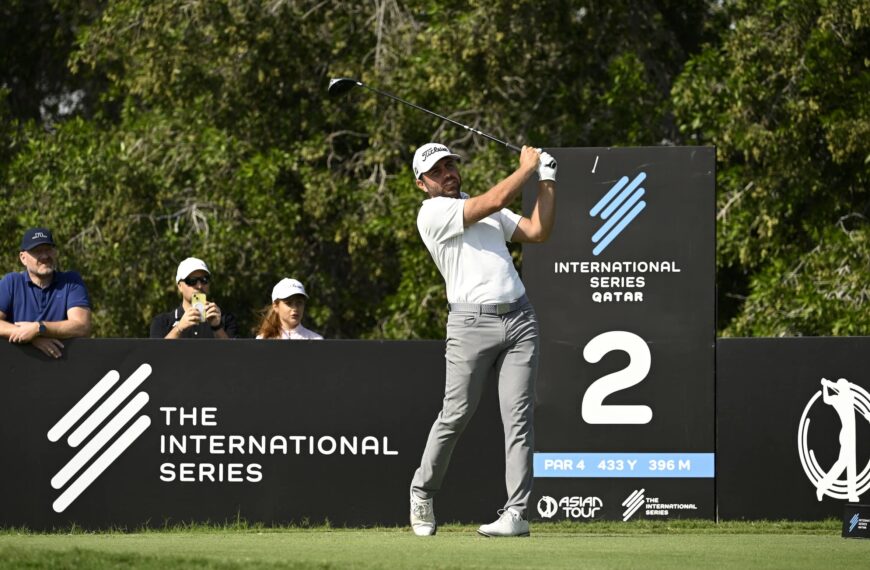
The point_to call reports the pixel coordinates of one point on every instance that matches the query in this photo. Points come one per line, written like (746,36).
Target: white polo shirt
(474,261)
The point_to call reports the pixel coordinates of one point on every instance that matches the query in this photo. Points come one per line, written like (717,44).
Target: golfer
(491,324)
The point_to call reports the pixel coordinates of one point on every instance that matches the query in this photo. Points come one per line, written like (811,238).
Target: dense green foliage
(785,96)
(143,132)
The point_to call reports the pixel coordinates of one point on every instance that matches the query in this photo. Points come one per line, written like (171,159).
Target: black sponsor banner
(625,294)
(791,445)
(856,521)
(129,432)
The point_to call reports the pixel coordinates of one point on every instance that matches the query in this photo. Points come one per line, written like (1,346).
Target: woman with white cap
(283,318)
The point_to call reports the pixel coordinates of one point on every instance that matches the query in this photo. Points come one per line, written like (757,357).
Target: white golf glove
(547,168)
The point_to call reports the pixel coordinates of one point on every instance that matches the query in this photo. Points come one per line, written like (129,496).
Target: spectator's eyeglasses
(192,281)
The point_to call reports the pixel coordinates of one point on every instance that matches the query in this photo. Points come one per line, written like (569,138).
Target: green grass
(640,544)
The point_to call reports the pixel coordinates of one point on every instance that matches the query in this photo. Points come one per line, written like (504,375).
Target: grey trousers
(475,344)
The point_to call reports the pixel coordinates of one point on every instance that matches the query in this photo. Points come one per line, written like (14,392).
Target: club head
(341,85)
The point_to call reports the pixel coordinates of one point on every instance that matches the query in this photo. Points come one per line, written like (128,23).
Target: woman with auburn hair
(283,318)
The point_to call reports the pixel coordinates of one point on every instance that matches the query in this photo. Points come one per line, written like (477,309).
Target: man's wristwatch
(42,328)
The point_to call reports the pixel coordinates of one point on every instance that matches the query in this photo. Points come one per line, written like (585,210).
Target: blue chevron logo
(618,208)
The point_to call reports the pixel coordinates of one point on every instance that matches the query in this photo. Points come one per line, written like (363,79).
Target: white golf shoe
(509,523)
(422,516)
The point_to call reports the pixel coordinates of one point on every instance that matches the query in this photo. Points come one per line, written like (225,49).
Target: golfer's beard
(443,192)
(459,187)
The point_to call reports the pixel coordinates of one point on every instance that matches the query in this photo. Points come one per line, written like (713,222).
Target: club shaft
(442,117)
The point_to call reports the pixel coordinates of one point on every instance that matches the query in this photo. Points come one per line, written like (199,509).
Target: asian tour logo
(80,469)
(573,507)
(547,507)
(617,208)
(846,399)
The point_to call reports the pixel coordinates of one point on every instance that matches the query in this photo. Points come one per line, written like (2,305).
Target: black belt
(494,309)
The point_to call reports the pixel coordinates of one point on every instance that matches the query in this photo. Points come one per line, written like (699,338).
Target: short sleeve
(160,326)
(77,295)
(441,218)
(509,222)
(6,294)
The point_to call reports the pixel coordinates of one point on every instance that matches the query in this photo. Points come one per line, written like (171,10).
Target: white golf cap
(188,266)
(287,288)
(427,155)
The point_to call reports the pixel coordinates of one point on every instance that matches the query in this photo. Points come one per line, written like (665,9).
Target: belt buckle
(502,308)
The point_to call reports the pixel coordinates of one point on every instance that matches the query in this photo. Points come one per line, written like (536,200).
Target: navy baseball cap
(34,237)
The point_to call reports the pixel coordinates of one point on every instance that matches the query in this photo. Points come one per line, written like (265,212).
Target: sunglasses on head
(191,281)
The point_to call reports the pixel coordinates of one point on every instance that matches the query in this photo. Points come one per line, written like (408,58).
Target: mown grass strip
(678,526)
(650,546)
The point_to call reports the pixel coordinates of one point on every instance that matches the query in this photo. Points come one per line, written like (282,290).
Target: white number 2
(592,409)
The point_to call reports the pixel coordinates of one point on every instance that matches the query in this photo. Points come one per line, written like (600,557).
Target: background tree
(784,96)
(202,127)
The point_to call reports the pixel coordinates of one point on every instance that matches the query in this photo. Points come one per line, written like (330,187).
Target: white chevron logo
(96,443)
(632,503)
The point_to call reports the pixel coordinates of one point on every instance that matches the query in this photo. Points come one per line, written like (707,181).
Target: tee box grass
(639,544)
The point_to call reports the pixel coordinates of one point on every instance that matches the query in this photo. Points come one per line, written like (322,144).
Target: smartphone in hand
(198,301)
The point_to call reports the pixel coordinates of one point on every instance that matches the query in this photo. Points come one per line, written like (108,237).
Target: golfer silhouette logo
(846,399)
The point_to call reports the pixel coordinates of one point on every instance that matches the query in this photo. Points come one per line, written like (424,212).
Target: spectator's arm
(173,334)
(159,328)
(6,328)
(230,327)
(78,324)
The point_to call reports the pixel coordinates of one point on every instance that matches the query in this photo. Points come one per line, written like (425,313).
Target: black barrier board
(131,432)
(625,295)
(791,445)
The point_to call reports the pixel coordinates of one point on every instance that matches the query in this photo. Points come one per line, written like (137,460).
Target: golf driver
(341,85)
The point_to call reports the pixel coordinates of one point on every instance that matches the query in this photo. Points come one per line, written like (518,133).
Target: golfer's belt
(494,309)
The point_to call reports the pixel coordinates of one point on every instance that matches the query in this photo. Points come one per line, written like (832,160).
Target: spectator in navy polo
(41,305)
(195,317)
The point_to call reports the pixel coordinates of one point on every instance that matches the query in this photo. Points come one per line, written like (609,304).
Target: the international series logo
(851,403)
(104,445)
(617,209)
(857,525)
(853,522)
(653,506)
(632,503)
